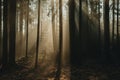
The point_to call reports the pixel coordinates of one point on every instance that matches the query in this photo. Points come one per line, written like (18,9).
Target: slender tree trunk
(21,25)
(80,23)
(113,23)
(73,36)
(106,29)
(38,31)
(87,31)
(0,17)
(0,32)
(99,29)
(5,35)
(27,29)
(118,24)
(58,73)
(17,18)
(12,31)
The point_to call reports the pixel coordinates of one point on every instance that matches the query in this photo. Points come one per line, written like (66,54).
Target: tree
(38,31)
(58,73)
(80,11)
(106,29)
(99,29)
(27,28)
(80,22)
(72,25)
(12,31)
(118,24)
(0,32)
(0,16)
(113,23)
(5,35)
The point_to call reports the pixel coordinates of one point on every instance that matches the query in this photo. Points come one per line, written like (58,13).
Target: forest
(59,39)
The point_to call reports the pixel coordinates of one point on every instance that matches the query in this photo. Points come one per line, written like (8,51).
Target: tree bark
(58,73)
(12,31)
(106,29)
(113,23)
(27,28)
(0,17)
(5,35)
(80,23)
(117,24)
(38,36)
(99,29)
(73,37)
(0,32)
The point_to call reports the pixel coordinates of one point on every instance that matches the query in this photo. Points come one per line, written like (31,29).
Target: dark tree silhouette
(99,29)
(113,23)
(80,22)
(73,45)
(5,35)
(27,28)
(38,31)
(106,29)
(0,32)
(118,24)
(0,15)
(12,31)
(58,73)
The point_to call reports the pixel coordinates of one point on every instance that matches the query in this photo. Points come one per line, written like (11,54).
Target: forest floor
(87,72)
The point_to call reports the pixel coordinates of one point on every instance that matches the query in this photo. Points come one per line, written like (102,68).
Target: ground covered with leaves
(25,71)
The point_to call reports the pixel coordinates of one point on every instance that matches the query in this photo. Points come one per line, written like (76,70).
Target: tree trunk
(12,31)
(80,23)
(113,23)
(58,73)
(38,31)
(0,33)
(99,29)
(73,36)
(5,35)
(80,12)
(0,18)
(106,29)
(117,24)
(87,28)
(0,26)
(27,29)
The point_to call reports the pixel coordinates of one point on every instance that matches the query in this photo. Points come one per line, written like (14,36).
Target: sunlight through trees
(51,37)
